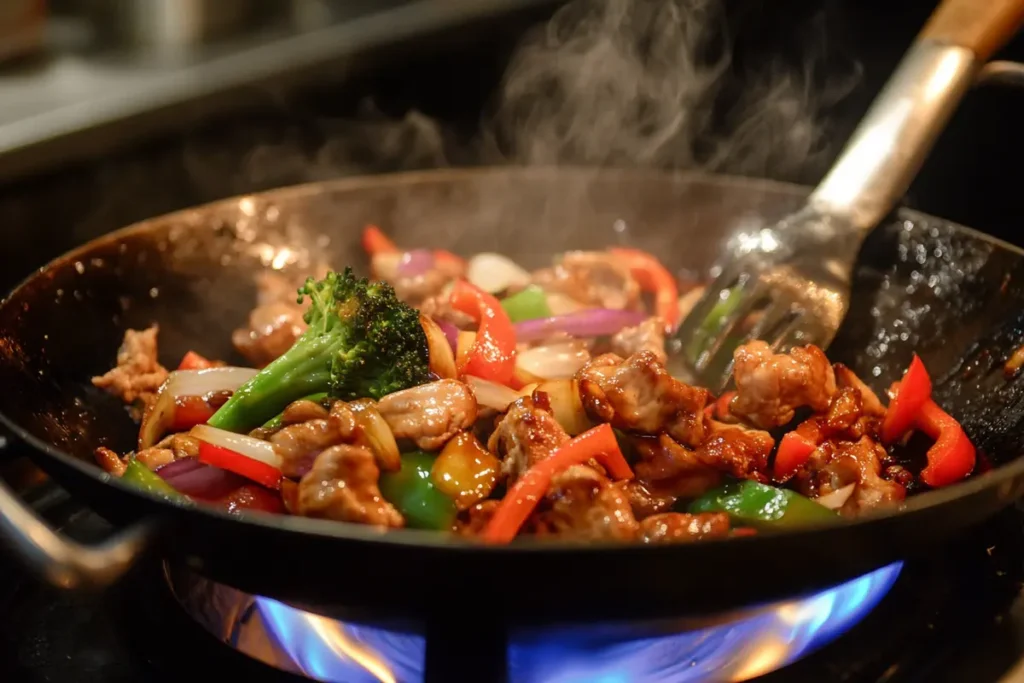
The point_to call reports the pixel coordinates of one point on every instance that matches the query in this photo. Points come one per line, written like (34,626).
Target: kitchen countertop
(47,104)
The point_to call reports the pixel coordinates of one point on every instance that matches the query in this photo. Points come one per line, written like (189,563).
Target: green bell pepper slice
(528,304)
(411,489)
(146,479)
(763,506)
(275,422)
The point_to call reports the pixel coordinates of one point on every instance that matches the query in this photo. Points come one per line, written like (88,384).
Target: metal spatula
(789,284)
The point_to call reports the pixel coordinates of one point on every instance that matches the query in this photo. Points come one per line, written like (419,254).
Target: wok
(925,285)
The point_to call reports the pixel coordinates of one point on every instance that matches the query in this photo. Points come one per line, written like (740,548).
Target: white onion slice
(566,405)
(561,304)
(490,394)
(495,273)
(187,383)
(836,499)
(378,433)
(553,361)
(441,357)
(246,445)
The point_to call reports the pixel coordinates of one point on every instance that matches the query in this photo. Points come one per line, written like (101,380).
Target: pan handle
(891,143)
(65,563)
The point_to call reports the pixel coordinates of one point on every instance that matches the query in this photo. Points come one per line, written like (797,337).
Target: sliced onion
(415,262)
(451,333)
(836,499)
(249,446)
(560,304)
(180,383)
(384,265)
(566,405)
(495,273)
(199,480)
(439,350)
(490,394)
(553,361)
(593,323)
(378,433)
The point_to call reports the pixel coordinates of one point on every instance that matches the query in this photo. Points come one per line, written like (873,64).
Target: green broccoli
(361,342)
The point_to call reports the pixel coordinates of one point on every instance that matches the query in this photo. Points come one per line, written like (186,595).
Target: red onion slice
(451,333)
(592,323)
(415,262)
(199,480)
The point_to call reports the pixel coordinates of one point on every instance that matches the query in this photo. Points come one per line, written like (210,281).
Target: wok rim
(327,529)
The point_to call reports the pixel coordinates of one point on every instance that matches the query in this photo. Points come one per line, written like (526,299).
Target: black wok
(923,284)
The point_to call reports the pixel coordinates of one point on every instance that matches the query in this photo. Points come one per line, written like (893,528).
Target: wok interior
(922,285)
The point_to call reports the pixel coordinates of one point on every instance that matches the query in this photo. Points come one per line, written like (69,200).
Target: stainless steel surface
(78,103)
(789,284)
(173,24)
(61,561)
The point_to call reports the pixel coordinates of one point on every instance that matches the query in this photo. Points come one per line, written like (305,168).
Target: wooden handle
(982,26)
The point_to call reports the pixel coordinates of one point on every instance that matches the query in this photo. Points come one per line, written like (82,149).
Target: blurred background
(112,111)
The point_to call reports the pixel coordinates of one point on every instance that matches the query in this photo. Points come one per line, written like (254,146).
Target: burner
(325,649)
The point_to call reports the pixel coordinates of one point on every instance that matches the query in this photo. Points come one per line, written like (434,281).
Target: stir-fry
(481,399)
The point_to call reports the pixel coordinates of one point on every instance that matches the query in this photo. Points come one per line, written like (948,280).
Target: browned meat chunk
(473,520)
(737,451)
(524,436)
(644,501)
(639,395)
(584,504)
(439,307)
(138,375)
(343,485)
(678,527)
(668,468)
(110,461)
(647,336)
(837,463)
(594,278)
(415,289)
(771,386)
(300,444)
(275,323)
(170,448)
(847,379)
(429,414)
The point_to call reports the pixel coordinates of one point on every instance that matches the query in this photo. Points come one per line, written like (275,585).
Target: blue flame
(326,650)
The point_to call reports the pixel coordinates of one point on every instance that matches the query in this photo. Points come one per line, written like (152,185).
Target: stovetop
(952,616)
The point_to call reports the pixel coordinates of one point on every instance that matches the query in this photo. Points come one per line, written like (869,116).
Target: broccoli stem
(303,370)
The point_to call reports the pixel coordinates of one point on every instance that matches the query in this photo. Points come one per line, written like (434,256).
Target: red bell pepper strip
(190,411)
(654,278)
(719,410)
(193,361)
(794,451)
(251,497)
(915,389)
(232,461)
(598,443)
(952,456)
(493,354)
(376,242)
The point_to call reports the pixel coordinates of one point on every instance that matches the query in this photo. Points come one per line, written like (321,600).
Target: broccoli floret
(361,342)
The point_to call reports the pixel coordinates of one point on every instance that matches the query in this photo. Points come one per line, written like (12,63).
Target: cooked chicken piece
(429,414)
(439,307)
(276,322)
(846,418)
(647,336)
(583,504)
(645,502)
(300,444)
(303,411)
(110,461)
(473,520)
(138,375)
(678,527)
(594,278)
(639,395)
(847,379)
(771,386)
(415,289)
(737,451)
(837,463)
(343,485)
(524,436)
(668,468)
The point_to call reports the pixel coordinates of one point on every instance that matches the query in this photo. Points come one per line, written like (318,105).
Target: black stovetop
(952,616)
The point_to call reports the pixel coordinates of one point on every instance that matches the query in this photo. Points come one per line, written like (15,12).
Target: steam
(642,83)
